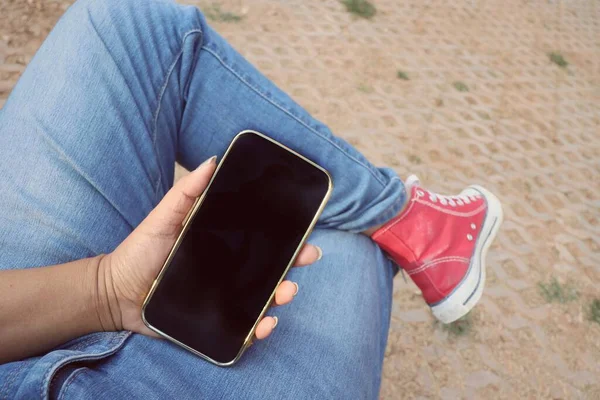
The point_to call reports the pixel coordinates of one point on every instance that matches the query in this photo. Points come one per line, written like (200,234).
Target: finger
(308,255)
(169,214)
(265,327)
(286,292)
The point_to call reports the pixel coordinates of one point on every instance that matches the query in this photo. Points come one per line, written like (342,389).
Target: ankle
(371,231)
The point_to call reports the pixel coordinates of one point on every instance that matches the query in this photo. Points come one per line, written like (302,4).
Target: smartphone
(237,244)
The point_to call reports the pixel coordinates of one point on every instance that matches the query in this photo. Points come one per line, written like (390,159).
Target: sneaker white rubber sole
(468,292)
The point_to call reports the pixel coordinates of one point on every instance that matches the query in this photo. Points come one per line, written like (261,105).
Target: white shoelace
(452,201)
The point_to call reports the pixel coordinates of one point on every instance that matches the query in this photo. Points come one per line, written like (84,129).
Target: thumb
(169,214)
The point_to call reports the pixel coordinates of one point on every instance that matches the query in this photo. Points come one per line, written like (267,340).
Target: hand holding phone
(243,234)
(132,268)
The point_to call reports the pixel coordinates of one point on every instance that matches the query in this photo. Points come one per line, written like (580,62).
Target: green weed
(215,13)
(414,159)
(594,311)
(363,87)
(556,292)
(361,8)
(402,75)
(460,86)
(558,59)
(460,327)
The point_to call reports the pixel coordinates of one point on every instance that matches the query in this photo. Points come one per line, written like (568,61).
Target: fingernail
(276,322)
(209,161)
(297,288)
(320,253)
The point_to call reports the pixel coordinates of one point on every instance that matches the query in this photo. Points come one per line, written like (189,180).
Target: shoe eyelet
(420,193)
(469,237)
(473,226)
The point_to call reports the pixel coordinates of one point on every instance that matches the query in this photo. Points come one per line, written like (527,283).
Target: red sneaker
(441,242)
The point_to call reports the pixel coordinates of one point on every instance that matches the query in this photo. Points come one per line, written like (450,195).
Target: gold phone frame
(185,228)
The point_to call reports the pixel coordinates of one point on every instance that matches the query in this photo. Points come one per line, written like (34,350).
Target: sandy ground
(527,128)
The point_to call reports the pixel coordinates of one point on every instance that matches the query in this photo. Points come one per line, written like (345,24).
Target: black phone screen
(255,213)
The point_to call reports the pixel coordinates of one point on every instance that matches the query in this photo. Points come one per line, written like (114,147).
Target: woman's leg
(226,95)
(156,82)
(88,140)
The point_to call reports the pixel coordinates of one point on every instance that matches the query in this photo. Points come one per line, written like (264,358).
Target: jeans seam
(84,343)
(160,97)
(290,113)
(69,381)
(56,366)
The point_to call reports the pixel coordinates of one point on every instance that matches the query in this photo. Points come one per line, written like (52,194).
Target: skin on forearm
(41,308)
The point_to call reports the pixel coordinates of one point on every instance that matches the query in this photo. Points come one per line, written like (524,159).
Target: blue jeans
(118,92)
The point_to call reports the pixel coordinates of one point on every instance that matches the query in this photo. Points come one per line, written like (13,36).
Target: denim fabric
(119,91)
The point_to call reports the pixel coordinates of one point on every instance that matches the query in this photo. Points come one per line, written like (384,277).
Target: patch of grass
(361,8)
(460,86)
(414,159)
(558,59)
(484,115)
(556,292)
(215,13)
(460,327)
(439,102)
(363,87)
(594,311)
(402,75)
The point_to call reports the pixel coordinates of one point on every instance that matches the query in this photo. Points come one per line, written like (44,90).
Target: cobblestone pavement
(482,103)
